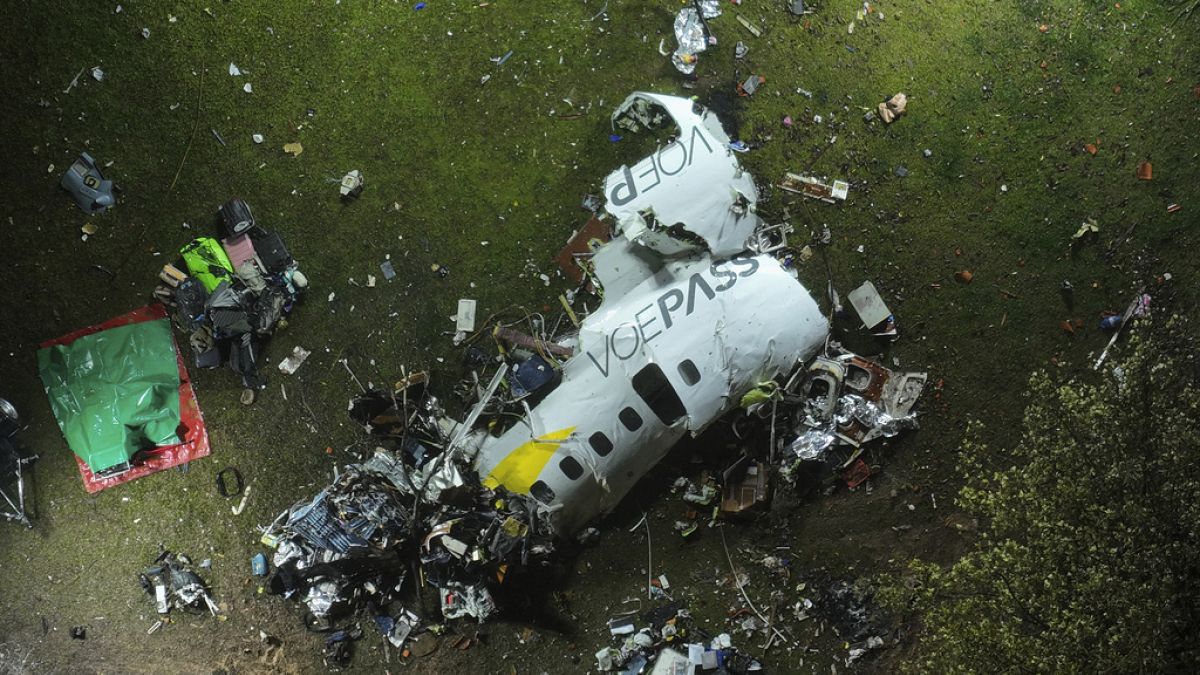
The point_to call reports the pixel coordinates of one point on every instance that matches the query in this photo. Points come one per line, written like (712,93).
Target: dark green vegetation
(1088,558)
(451,163)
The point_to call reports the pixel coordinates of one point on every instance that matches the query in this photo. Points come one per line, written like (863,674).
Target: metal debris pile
(668,639)
(566,412)
(348,550)
(845,401)
(12,464)
(173,584)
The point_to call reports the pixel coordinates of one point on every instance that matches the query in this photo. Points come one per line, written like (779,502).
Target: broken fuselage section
(689,195)
(690,322)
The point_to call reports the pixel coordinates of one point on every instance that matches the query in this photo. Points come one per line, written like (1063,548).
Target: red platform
(191,422)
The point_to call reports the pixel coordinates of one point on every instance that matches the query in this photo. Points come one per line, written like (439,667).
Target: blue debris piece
(92,193)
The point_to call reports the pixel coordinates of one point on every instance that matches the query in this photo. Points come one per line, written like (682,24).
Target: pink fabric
(239,249)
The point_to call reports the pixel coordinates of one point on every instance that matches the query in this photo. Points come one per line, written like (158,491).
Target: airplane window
(651,384)
(689,372)
(600,443)
(542,492)
(571,468)
(630,419)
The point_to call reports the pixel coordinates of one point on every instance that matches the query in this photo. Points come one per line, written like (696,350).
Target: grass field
(486,178)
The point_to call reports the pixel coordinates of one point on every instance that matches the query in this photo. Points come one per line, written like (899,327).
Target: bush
(1088,558)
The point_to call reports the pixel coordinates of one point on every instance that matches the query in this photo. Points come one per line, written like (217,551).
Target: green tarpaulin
(114,392)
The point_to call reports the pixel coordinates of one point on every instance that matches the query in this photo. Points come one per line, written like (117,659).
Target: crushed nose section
(690,195)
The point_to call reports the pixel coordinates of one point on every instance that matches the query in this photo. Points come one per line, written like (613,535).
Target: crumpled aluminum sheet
(442,474)
(459,600)
(689,31)
(855,407)
(317,526)
(286,551)
(710,9)
(385,463)
(444,477)
(815,414)
(813,443)
(321,598)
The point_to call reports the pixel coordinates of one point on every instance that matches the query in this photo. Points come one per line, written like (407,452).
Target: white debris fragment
(258,138)
(294,360)
(234,70)
(145,33)
(237,510)
(247,88)
(465,319)
(352,184)
(97,74)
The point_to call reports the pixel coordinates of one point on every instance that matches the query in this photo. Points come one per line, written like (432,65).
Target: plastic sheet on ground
(189,438)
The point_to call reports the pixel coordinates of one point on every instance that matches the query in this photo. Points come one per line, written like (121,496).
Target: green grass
(397,94)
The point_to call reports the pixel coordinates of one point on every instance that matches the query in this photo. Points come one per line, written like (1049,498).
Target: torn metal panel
(667,358)
(901,392)
(622,265)
(813,188)
(869,305)
(771,238)
(574,257)
(747,488)
(690,194)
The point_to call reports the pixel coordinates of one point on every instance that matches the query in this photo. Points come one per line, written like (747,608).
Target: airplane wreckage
(701,315)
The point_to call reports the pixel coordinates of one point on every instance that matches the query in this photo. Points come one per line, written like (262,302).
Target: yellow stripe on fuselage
(524,464)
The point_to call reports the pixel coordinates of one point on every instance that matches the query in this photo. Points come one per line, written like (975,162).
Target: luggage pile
(231,293)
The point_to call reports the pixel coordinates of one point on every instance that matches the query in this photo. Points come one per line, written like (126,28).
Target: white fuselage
(668,357)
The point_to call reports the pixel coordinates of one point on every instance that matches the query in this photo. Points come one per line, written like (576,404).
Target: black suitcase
(235,217)
(271,250)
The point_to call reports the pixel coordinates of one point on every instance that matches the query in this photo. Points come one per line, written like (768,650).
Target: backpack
(206,260)
(190,298)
